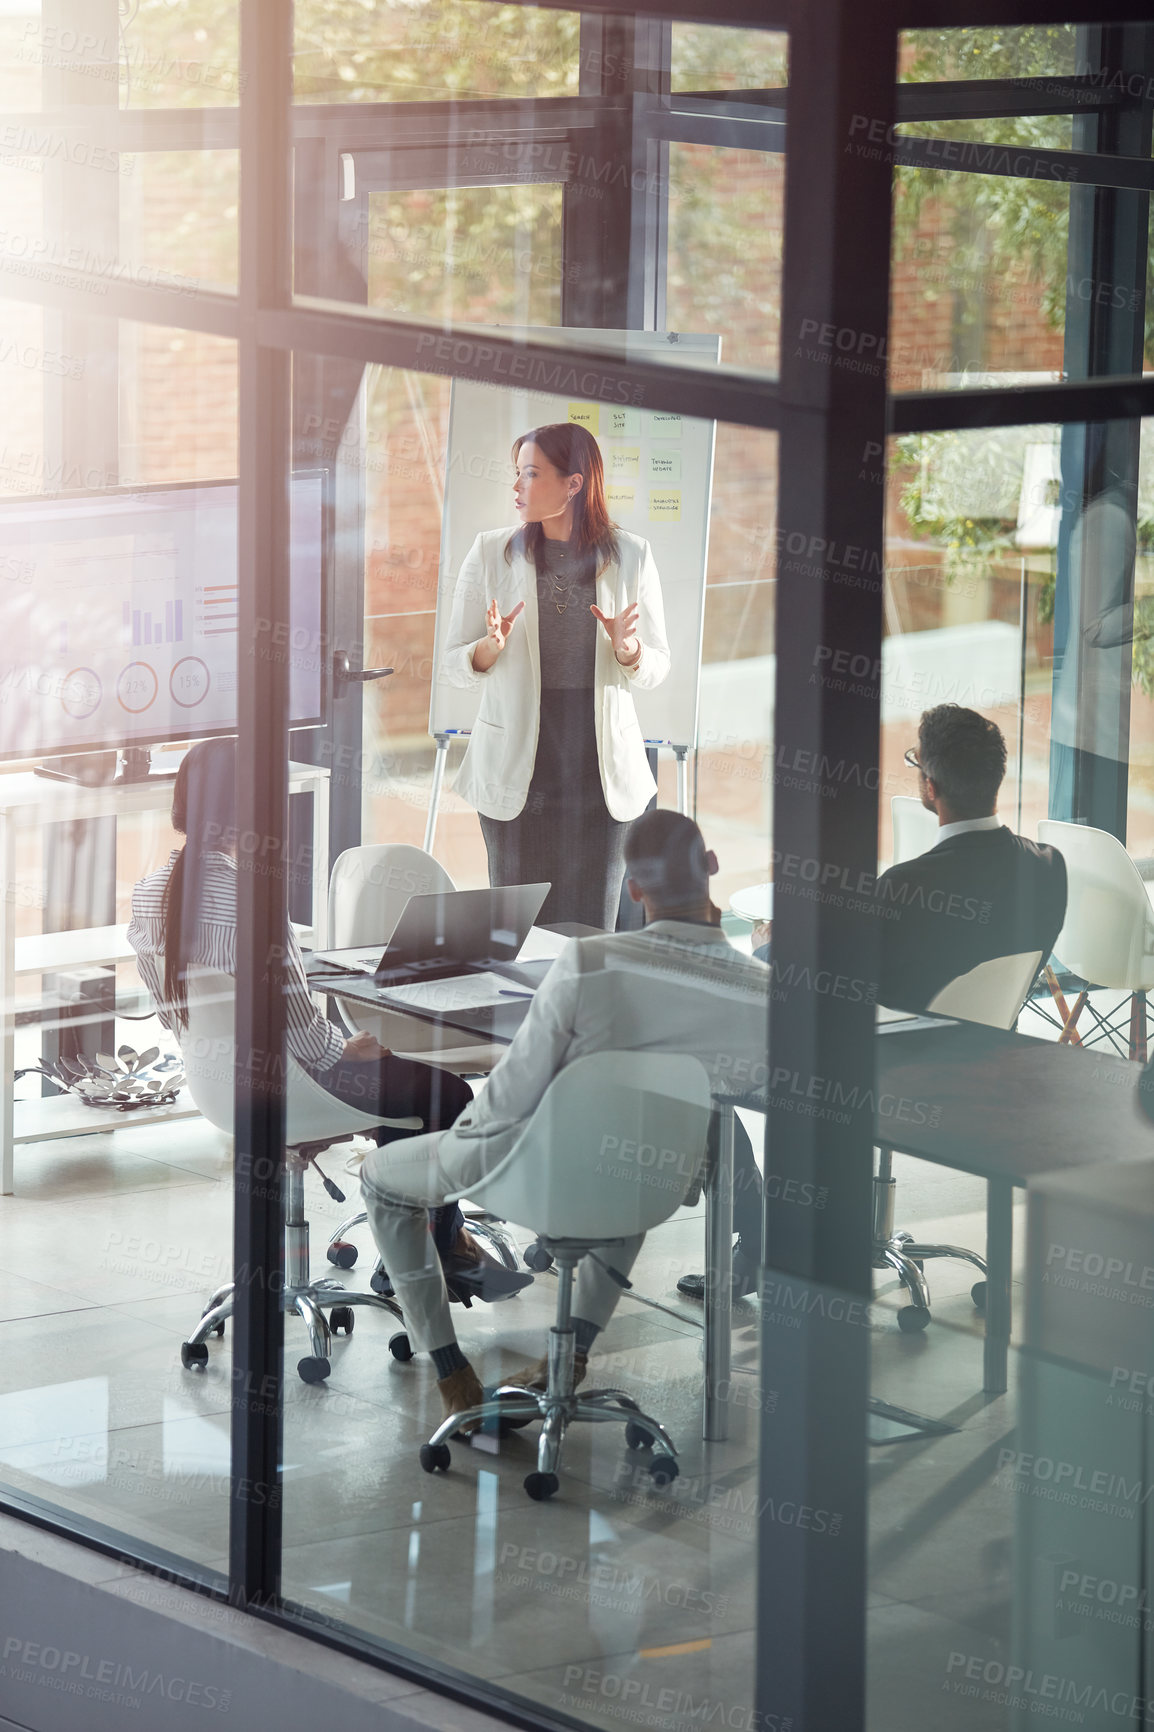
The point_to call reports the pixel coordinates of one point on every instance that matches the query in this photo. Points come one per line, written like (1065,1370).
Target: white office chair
(1108,935)
(369,886)
(368,889)
(314,1120)
(992,993)
(915,828)
(613,1148)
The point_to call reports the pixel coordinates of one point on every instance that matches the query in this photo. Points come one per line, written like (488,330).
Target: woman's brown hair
(572,450)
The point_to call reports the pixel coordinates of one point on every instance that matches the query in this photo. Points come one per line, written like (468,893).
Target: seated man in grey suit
(677,986)
(981,891)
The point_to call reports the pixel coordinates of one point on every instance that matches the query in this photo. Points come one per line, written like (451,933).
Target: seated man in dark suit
(981,891)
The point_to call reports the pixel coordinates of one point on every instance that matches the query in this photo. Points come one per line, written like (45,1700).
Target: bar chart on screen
(125,627)
(216,610)
(142,627)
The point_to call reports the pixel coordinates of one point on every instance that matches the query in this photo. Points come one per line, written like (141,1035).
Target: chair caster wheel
(341,1319)
(636,1437)
(312,1369)
(435,1456)
(978,1295)
(537,1258)
(541,1485)
(663,1470)
(400,1348)
(913,1319)
(193,1355)
(380,1283)
(342,1254)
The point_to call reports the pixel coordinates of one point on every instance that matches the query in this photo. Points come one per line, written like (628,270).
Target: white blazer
(674,987)
(498,765)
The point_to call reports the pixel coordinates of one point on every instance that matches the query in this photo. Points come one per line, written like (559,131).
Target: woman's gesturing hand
(622,632)
(497,627)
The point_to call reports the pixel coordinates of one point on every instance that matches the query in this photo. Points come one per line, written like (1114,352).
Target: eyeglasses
(911,758)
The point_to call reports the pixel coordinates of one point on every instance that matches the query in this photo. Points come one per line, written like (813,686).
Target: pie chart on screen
(136,687)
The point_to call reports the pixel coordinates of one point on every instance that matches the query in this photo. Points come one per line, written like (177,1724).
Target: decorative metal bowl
(130,1080)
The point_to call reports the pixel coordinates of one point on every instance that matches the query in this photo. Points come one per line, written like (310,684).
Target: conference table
(1007,1108)
(1002,1106)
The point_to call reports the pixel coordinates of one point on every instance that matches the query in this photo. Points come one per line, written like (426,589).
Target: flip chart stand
(439,763)
(681,753)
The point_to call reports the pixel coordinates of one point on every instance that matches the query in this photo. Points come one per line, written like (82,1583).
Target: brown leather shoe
(460,1391)
(537,1376)
(465,1247)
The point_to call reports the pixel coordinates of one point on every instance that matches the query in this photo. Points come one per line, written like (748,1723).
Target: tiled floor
(615,1601)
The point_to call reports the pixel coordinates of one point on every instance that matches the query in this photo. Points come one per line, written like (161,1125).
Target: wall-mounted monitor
(120,613)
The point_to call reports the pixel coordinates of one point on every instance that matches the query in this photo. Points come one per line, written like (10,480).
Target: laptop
(444,933)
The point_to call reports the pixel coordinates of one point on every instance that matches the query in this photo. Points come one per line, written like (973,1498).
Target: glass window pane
(453,1567)
(153,446)
(546,218)
(971,526)
(1140,805)
(184,56)
(120,1226)
(1015,587)
(979,286)
(26,364)
(75,200)
(992,527)
(708,58)
(178,216)
(21,56)
(727,206)
(1005,51)
(995,275)
(430,51)
(1028,132)
(472,254)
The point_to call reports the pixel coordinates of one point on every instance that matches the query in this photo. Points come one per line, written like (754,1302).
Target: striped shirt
(312,1038)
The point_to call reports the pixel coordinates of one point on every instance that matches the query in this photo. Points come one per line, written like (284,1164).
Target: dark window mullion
(810,1650)
(262,806)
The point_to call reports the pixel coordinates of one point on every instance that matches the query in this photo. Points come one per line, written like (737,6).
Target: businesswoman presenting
(555,622)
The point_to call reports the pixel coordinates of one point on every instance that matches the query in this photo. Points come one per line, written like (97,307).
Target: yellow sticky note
(663,426)
(585,415)
(665,465)
(623,423)
(625,463)
(620,498)
(665,506)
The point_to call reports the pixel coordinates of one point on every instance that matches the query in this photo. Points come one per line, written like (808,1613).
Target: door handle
(345,675)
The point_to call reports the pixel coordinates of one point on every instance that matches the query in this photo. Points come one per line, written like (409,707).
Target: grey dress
(564,834)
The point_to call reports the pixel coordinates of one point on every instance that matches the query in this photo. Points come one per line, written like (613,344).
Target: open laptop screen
(463,927)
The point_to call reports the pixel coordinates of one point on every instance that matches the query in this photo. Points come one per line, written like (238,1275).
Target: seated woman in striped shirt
(185,915)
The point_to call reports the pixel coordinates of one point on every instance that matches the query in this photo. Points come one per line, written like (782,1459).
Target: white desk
(28,802)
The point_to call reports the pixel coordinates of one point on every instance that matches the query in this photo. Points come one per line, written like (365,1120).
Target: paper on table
(459,992)
(541,945)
